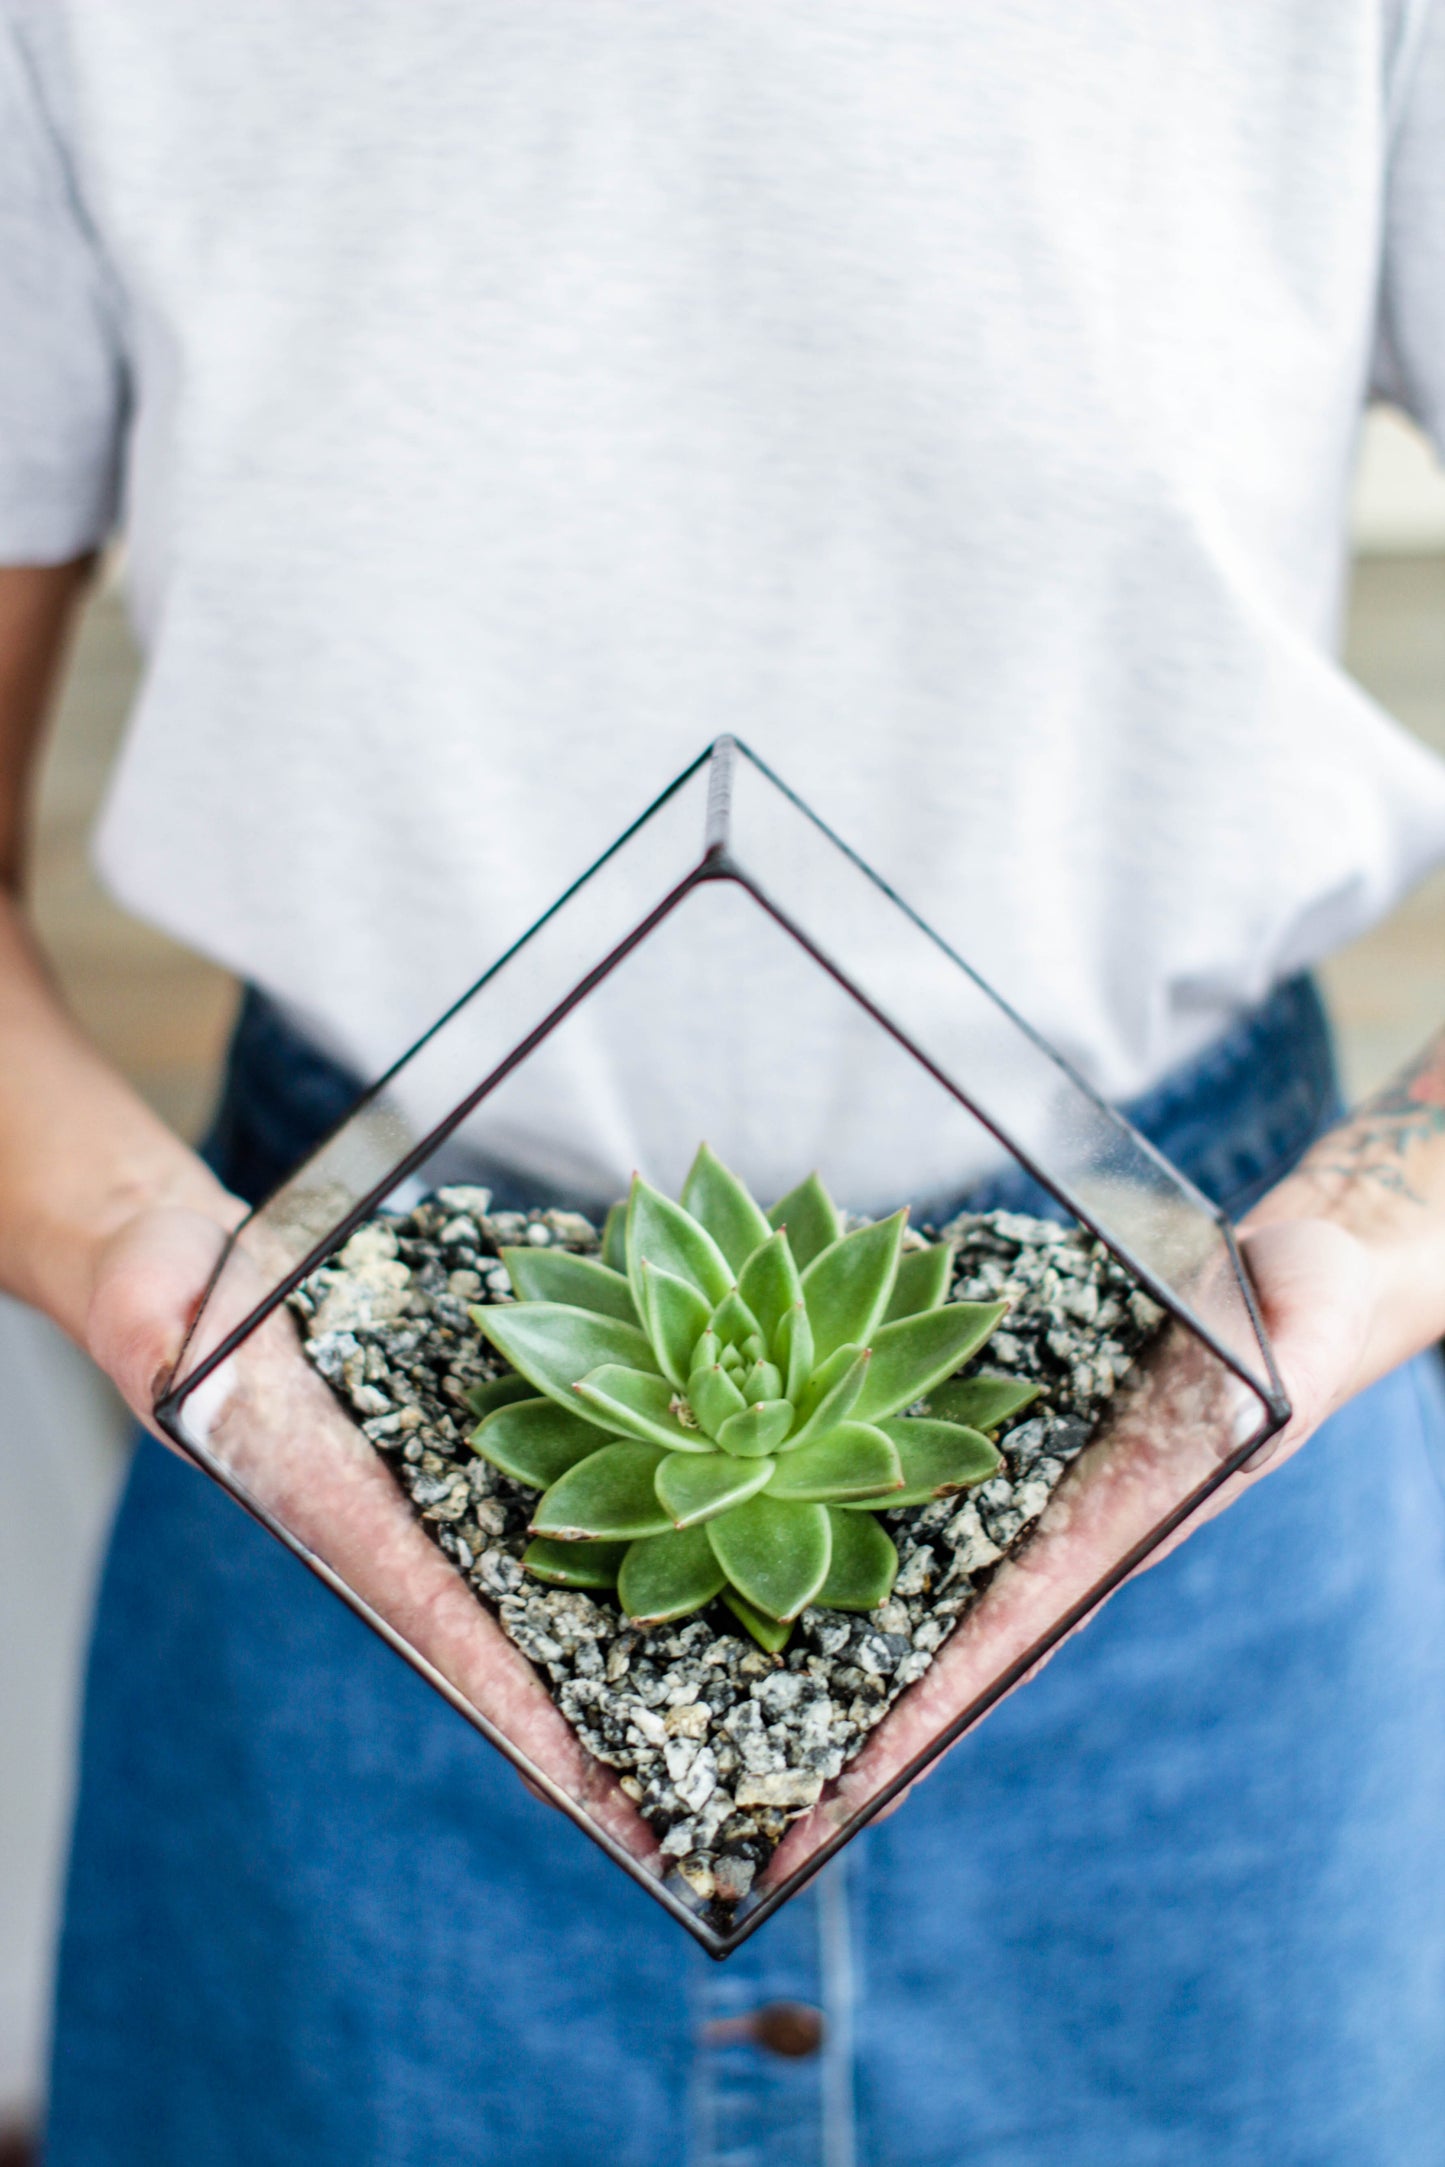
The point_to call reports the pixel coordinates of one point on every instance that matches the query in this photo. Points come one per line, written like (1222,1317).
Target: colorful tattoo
(1375,1142)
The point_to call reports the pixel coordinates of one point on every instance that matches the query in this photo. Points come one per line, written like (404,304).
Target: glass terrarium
(723,1536)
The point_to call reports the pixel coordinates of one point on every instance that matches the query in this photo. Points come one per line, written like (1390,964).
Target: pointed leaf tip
(863,1564)
(847,1287)
(667,1576)
(793,1351)
(574,1564)
(670,1238)
(697,1487)
(770,1285)
(775,1554)
(675,1316)
(937,1458)
(535,1441)
(914,1354)
(758,1429)
(714,1397)
(495,1392)
(554,1345)
(614,1239)
(831,1394)
(721,1204)
(733,1322)
(921,1281)
(852,1461)
(811,1219)
(770,1634)
(981,1402)
(556,1275)
(612,1495)
(647,1408)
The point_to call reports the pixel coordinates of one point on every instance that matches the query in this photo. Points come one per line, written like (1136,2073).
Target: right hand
(149,1281)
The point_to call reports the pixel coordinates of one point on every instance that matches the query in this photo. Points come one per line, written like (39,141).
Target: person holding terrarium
(496,405)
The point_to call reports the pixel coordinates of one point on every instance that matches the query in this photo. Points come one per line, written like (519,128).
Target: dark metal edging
(717,864)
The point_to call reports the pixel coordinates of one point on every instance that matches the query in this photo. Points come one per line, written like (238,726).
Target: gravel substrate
(719,1744)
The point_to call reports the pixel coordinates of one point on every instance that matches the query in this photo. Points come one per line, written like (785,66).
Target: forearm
(80,1153)
(1380,1176)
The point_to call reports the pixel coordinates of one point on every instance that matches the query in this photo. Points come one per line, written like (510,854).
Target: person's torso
(958,404)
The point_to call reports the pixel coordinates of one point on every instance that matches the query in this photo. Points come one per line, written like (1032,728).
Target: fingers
(1316,1285)
(148,1284)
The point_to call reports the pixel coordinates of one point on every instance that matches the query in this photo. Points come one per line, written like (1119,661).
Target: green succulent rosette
(715,1407)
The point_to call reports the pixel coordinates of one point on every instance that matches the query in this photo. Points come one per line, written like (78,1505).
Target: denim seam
(835,1966)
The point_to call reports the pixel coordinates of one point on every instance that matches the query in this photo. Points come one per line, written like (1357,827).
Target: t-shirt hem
(43,529)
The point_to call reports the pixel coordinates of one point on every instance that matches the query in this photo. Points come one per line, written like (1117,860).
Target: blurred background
(162,1015)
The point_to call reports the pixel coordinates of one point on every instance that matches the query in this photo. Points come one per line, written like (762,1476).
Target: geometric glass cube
(934,1085)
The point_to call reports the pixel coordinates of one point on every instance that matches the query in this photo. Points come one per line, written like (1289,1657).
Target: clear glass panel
(929,1083)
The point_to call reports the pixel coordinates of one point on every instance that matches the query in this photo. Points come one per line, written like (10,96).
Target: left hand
(1348,1259)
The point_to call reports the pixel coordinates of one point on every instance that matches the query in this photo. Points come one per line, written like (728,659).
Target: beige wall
(1399,488)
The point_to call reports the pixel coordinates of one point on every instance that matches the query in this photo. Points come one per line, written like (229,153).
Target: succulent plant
(715,1407)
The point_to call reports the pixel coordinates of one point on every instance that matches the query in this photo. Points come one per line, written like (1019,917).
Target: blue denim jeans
(1181,1901)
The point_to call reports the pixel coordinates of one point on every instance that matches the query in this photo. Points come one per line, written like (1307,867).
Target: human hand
(149,1279)
(1347,1256)
(265,1425)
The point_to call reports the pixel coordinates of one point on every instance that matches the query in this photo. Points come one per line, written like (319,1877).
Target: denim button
(789,2028)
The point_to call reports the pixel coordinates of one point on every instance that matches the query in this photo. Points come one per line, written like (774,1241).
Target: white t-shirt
(957,402)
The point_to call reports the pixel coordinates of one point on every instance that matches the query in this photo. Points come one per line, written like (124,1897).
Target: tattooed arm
(1349,1250)
(1386,1144)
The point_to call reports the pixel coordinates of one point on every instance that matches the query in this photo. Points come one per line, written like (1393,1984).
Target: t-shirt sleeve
(62,379)
(1410,357)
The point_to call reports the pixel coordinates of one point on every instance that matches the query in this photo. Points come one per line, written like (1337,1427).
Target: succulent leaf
(848,1286)
(574,1564)
(981,1403)
(638,1406)
(811,1218)
(715,1399)
(719,1202)
(775,1554)
(611,1495)
(676,1316)
(614,1239)
(484,1399)
(764,1381)
(734,1323)
(853,1460)
(913,1355)
(721,1406)
(769,1633)
(770,1286)
(697,1486)
(793,1350)
(672,1240)
(937,1457)
(863,1564)
(555,1275)
(758,1429)
(666,1576)
(554,1345)
(921,1281)
(831,1394)
(534,1441)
